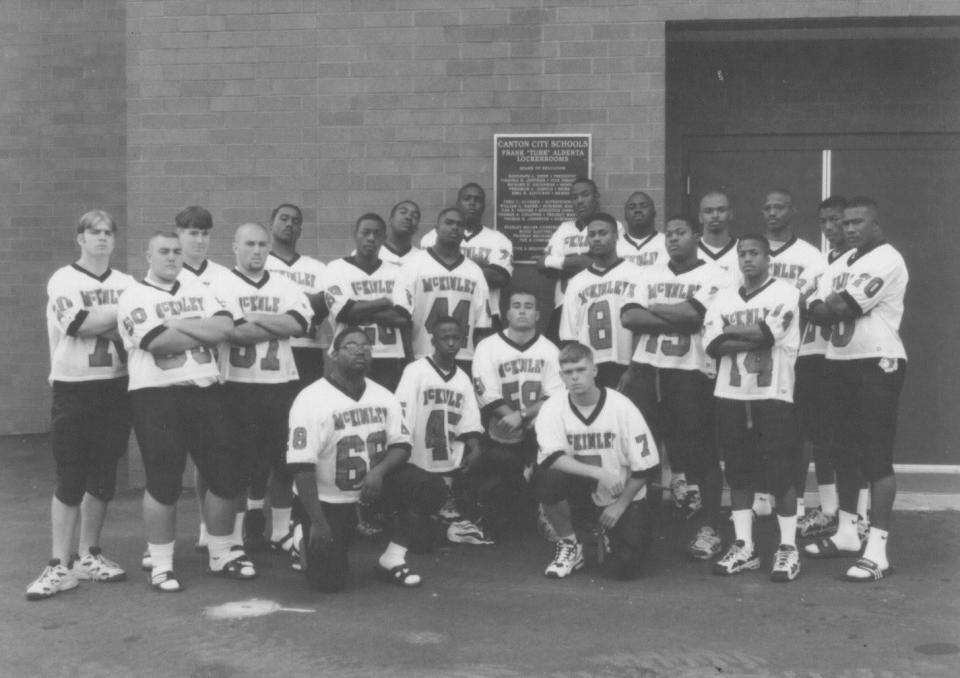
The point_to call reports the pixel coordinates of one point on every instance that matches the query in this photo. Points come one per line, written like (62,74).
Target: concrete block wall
(62,100)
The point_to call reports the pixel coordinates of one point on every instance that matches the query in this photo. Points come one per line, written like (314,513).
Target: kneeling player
(594,444)
(754,334)
(348,442)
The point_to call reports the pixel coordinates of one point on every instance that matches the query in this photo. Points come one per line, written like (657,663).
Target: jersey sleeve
(641,450)
(486,383)
(139,323)
(712,324)
(297,305)
(784,315)
(480,312)
(305,432)
(398,433)
(335,294)
(815,271)
(404,292)
(502,256)
(867,289)
(470,418)
(550,431)
(569,316)
(554,249)
(407,393)
(429,239)
(65,307)
(551,385)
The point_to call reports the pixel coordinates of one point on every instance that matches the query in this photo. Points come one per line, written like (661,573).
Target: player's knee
(430,495)
(69,491)
(550,486)
(165,490)
(876,469)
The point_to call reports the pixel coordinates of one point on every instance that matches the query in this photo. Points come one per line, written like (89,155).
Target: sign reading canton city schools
(533,175)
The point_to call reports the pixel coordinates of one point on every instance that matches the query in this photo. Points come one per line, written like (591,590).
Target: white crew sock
(829,501)
(394,555)
(846,537)
(877,547)
(237,536)
(801,507)
(743,526)
(220,551)
(204,535)
(762,505)
(863,503)
(161,555)
(280,517)
(253,504)
(788,529)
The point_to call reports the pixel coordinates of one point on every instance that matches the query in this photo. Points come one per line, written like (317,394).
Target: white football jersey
(141,313)
(591,311)
(72,292)
(648,251)
(800,264)
(388,255)
(614,436)
(815,339)
(726,258)
(566,240)
(519,375)
(486,247)
(428,289)
(269,362)
(343,437)
(440,410)
(661,285)
(874,281)
(763,374)
(308,274)
(209,273)
(347,283)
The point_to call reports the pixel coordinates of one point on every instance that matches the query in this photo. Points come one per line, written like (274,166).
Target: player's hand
(611,482)
(371,485)
(612,514)
(511,423)
(625,379)
(470,459)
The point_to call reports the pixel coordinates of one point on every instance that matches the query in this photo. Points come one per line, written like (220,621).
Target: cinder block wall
(62,103)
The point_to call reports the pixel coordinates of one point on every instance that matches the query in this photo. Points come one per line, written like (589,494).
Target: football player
(491,250)
(441,412)
(402,225)
(439,281)
(261,380)
(670,360)
(641,243)
(594,298)
(754,333)
(348,443)
(360,290)
(91,412)
(286,229)
(717,244)
(169,331)
(595,450)
(861,298)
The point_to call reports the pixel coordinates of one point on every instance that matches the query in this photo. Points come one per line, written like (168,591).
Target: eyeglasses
(355,347)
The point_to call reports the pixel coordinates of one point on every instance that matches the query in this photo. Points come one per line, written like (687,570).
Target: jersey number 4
(101,353)
(461,313)
(439,435)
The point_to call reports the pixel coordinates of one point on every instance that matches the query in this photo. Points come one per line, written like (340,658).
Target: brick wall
(61,153)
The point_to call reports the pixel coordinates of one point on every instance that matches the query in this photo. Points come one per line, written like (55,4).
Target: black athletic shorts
(260,415)
(811,393)
(759,442)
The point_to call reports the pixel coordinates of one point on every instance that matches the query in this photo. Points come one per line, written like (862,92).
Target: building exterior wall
(341,106)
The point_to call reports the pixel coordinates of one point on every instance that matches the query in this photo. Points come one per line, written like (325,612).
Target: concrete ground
(482,611)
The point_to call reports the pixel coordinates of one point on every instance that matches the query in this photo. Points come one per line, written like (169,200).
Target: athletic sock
(762,505)
(877,547)
(788,529)
(281,522)
(253,504)
(829,501)
(863,503)
(220,553)
(801,507)
(204,535)
(237,536)
(394,555)
(846,537)
(743,526)
(161,555)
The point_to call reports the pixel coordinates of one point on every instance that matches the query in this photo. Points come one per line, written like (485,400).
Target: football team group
(405,393)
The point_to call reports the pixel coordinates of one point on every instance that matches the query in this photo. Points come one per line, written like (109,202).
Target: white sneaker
(816,524)
(94,567)
(786,564)
(737,559)
(55,578)
(705,545)
(567,559)
(467,532)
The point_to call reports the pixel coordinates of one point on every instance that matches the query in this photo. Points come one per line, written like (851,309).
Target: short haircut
(694,224)
(834,202)
(263,229)
(523,293)
(586,180)
(393,210)
(161,233)
(472,184)
(757,237)
(449,209)
(369,216)
(446,320)
(862,201)
(607,219)
(276,210)
(574,352)
(780,191)
(346,332)
(715,191)
(194,217)
(94,217)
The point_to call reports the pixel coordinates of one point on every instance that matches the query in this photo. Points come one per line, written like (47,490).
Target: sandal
(166,582)
(870,570)
(401,575)
(240,568)
(827,548)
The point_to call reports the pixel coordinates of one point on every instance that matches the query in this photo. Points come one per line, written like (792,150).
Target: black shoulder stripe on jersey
(239,321)
(488,410)
(405,313)
(767,333)
(151,335)
(223,313)
(638,474)
(698,307)
(500,269)
(713,347)
(74,327)
(548,462)
(401,446)
(631,305)
(852,303)
(300,320)
(342,315)
(301,467)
